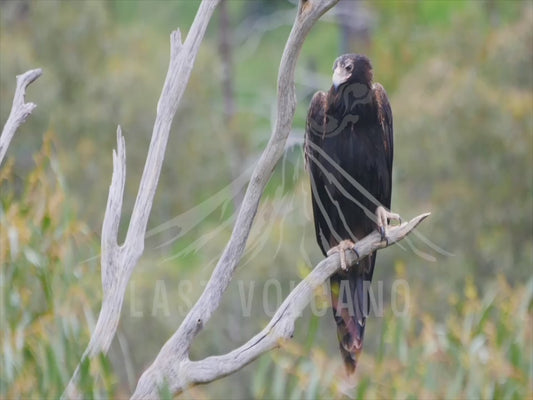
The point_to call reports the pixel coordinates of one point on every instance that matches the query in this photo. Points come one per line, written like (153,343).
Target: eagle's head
(351,68)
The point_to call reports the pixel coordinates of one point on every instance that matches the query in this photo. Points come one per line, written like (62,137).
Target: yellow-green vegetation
(459,76)
(481,349)
(49,294)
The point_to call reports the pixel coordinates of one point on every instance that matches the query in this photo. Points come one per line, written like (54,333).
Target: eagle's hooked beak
(340,75)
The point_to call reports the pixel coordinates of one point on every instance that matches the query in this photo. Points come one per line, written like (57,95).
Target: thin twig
(19,111)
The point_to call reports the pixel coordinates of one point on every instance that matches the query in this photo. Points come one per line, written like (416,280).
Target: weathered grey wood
(169,364)
(119,261)
(19,111)
(281,326)
(185,373)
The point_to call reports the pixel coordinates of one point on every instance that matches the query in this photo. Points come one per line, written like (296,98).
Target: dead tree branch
(173,359)
(118,261)
(19,111)
(185,373)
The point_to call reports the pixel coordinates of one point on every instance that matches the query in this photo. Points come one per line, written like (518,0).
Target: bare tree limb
(19,111)
(118,261)
(172,360)
(281,326)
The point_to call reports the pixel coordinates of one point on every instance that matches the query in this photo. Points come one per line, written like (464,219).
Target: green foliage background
(459,75)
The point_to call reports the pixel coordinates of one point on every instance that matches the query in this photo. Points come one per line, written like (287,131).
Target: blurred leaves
(463,118)
(459,75)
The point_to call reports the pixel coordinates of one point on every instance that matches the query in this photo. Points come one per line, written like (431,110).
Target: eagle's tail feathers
(350,303)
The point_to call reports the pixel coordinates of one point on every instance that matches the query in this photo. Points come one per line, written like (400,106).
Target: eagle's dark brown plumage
(349,152)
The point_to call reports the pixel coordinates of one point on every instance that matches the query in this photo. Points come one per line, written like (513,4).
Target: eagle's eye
(349,67)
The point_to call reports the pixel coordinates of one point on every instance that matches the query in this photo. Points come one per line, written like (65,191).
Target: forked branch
(170,364)
(119,261)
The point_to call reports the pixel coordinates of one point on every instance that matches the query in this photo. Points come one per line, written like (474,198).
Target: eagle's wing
(314,124)
(314,131)
(385,119)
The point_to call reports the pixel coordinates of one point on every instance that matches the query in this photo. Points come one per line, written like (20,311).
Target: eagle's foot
(341,248)
(384,217)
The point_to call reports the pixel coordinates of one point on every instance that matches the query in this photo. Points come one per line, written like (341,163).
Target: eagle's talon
(341,248)
(384,217)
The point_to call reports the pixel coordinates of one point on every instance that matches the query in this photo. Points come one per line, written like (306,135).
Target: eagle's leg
(384,217)
(341,248)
